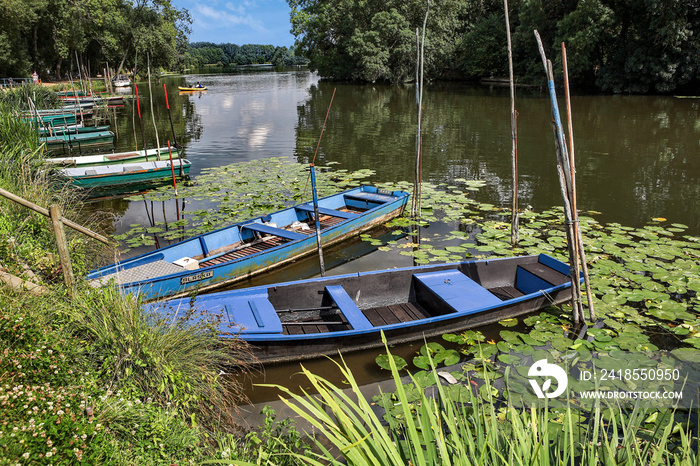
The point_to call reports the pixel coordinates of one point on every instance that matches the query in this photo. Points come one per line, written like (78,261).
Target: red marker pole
(143,135)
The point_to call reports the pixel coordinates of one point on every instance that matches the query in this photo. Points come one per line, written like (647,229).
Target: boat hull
(216,275)
(408,304)
(123,174)
(151,155)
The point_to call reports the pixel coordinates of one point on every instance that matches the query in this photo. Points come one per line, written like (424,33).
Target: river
(637,157)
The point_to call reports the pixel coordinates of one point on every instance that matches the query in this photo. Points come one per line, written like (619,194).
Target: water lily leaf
(509,359)
(509,322)
(383,361)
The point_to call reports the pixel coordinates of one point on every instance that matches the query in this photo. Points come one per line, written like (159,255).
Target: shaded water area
(637,158)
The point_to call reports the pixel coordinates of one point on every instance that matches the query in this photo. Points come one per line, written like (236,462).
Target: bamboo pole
(514,230)
(138,107)
(172,128)
(564,171)
(62,245)
(581,253)
(321,263)
(172,169)
(153,116)
(415,204)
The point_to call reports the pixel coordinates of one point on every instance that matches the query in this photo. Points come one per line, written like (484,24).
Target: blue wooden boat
(316,317)
(236,252)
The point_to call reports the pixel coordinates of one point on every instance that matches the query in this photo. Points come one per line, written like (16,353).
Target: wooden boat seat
(348,307)
(326,211)
(268,230)
(458,291)
(250,314)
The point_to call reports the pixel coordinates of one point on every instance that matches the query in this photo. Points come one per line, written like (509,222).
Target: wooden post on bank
(62,244)
(57,221)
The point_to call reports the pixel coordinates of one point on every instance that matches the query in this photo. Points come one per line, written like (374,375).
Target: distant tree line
(620,46)
(50,36)
(207,53)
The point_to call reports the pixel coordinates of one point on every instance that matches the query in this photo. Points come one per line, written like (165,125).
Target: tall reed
(465,430)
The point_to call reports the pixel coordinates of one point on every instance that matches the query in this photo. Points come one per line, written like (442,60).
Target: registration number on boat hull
(196,277)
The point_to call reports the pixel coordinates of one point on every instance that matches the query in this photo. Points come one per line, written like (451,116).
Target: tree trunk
(58,68)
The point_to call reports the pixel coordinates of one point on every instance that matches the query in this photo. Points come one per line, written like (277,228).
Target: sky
(263,22)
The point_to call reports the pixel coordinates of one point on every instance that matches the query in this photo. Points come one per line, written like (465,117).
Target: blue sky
(239,21)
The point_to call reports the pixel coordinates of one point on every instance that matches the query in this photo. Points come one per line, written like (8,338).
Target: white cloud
(212,17)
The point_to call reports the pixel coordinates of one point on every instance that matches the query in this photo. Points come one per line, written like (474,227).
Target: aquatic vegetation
(645,280)
(233,193)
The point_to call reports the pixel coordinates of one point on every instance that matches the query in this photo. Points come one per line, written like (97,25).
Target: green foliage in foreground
(466,430)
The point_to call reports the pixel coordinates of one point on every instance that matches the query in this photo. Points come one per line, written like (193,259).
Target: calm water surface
(637,157)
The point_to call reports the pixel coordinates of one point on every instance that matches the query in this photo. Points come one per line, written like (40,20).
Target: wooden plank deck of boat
(385,315)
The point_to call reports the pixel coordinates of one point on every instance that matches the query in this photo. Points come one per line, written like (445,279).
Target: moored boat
(211,260)
(316,317)
(150,155)
(121,81)
(123,174)
(49,130)
(85,140)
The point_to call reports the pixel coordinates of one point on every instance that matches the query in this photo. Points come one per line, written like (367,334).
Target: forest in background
(49,36)
(615,46)
(206,53)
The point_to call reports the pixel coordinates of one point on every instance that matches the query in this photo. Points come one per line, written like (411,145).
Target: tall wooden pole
(321,263)
(153,116)
(415,204)
(580,251)
(514,231)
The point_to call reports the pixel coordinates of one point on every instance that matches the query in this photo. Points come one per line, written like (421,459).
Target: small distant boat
(311,318)
(123,174)
(236,252)
(150,155)
(92,99)
(183,88)
(121,81)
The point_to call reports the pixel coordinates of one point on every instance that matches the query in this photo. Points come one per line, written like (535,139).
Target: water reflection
(637,157)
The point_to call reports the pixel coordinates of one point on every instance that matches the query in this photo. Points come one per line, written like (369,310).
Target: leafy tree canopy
(48,35)
(632,46)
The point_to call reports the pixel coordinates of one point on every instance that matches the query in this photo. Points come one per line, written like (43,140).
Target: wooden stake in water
(138,107)
(172,169)
(564,171)
(172,128)
(153,116)
(514,233)
(580,251)
(415,204)
(318,223)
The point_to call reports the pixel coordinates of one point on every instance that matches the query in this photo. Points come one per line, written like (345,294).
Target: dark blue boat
(237,252)
(315,317)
